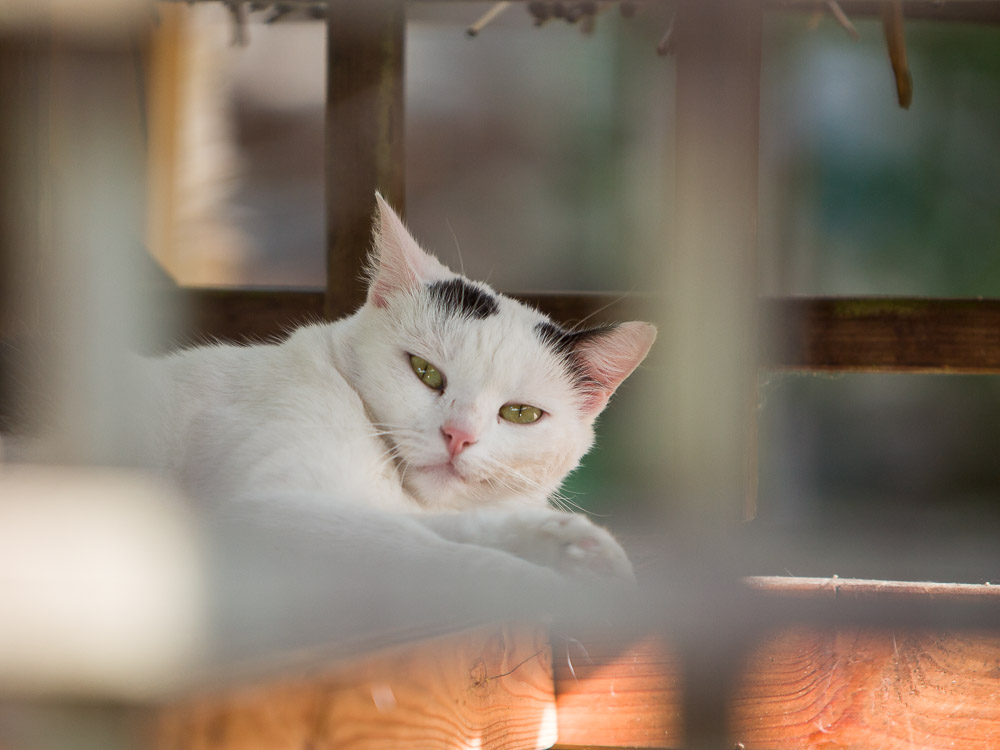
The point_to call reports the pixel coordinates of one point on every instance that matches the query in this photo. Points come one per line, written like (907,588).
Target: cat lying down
(440,416)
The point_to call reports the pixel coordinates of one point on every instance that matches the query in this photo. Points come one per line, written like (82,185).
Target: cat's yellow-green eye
(521,413)
(427,373)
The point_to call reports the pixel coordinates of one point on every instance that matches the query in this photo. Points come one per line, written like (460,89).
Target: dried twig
(838,13)
(892,25)
(488,17)
(666,45)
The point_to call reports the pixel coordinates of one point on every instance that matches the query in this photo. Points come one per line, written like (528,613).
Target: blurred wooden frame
(838,686)
(365,152)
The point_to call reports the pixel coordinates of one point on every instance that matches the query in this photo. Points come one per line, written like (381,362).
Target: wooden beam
(959,11)
(244,315)
(489,688)
(965,11)
(886,334)
(801,687)
(364,136)
(861,334)
(710,311)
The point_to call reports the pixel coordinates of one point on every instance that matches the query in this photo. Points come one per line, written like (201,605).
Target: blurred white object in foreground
(99,583)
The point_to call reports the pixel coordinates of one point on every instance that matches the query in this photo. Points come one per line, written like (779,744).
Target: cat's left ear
(607,356)
(398,264)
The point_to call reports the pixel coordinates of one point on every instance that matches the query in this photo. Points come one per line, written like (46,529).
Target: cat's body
(439,404)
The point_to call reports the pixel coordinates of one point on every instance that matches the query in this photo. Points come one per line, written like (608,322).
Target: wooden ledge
(801,687)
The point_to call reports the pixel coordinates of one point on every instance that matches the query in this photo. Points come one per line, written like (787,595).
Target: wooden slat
(241,315)
(890,334)
(967,11)
(801,687)
(887,334)
(961,11)
(364,135)
(489,688)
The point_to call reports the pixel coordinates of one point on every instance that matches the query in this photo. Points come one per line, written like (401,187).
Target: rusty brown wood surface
(364,136)
(489,688)
(887,334)
(800,687)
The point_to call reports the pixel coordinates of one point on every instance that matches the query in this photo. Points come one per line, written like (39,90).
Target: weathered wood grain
(617,693)
(854,688)
(802,687)
(491,688)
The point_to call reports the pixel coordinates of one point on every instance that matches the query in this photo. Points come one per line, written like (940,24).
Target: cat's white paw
(566,542)
(579,547)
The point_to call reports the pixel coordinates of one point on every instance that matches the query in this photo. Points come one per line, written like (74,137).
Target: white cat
(441,414)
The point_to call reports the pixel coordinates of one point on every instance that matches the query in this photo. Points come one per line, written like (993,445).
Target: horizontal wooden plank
(244,314)
(969,11)
(798,687)
(963,11)
(490,688)
(883,334)
(862,334)
(801,687)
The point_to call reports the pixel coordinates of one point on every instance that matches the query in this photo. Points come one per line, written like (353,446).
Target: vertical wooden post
(22,129)
(711,331)
(364,135)
(712,287)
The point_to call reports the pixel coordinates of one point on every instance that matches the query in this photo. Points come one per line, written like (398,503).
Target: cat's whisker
(458,248)
(526,482)
(579,324)
(557,498)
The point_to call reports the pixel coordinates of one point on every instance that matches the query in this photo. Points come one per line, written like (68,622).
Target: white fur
(334,416)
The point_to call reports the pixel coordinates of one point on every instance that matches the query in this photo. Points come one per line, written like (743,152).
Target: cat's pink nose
(457,439)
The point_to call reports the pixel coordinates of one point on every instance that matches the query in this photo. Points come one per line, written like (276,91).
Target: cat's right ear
(397,264)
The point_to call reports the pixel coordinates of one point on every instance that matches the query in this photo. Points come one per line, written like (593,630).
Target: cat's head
(483,398)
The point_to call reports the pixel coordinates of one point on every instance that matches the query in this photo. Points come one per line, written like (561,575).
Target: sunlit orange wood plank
(489,688)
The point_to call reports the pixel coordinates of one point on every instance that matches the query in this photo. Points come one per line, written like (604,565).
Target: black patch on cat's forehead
(459,297)
(562,341)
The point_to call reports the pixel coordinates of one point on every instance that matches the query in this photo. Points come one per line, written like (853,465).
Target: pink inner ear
(610,357)
(400,263)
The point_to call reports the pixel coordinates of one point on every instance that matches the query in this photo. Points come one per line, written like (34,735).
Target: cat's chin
(441,472)
(438,485)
